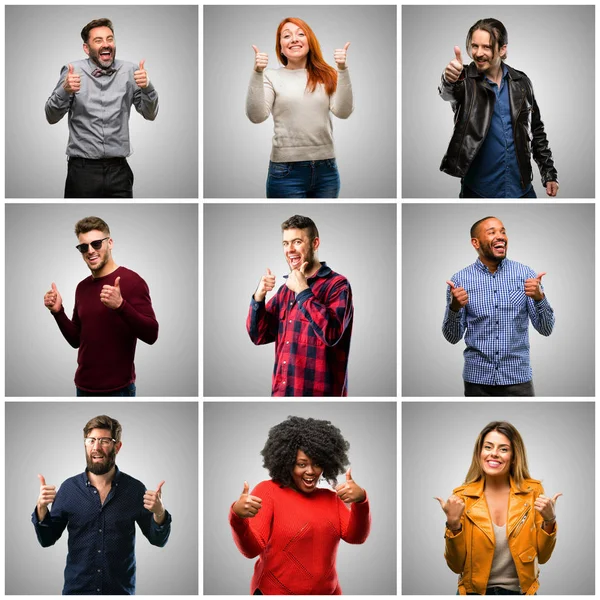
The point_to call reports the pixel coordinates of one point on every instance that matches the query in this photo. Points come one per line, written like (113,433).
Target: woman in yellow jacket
(499,524)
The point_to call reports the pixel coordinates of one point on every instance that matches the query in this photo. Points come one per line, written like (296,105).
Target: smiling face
(101,459)
(298,248)
(101,46)
(496,455)
(294,42)
(491,241)
(98,261)
(486,57)
(305,473)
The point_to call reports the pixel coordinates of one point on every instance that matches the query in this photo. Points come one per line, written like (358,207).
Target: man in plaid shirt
(309,318)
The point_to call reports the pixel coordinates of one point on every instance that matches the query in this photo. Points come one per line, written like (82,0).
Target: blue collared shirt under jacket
(495,322)
(101,557)
(494,172)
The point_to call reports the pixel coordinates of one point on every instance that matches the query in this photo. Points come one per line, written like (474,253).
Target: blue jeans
(304,179)
(467,192)
(126,391)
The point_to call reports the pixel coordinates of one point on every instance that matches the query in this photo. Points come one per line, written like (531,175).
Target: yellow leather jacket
(470,551)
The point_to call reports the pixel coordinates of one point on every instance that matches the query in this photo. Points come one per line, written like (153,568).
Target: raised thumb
(451,284)
(118,282)
(71,69)
(246,489)
(42,480)
(269,271)
(142,64)
(256,50)
(457,54)
(54,287)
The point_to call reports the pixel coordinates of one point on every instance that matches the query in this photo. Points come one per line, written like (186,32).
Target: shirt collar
(479,265)
(87,482)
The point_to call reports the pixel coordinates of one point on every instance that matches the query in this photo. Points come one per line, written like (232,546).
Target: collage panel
(337,338)
(67,455)
(310,488)
(130,328)
(508,327)
(529,494)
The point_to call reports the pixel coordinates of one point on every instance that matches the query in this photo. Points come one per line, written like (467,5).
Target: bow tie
(100,72)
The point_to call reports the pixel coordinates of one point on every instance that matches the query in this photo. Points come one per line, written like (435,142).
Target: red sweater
(297,537)
(106,338)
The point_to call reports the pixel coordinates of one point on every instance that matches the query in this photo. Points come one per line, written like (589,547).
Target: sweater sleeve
(137,312)
(71,329)
(356,522)
(260,97)
(341,102)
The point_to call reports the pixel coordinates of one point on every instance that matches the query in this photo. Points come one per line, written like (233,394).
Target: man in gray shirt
(98,94)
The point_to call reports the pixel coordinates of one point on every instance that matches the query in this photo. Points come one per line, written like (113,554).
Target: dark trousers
(467,192)
(99,178)
(129,390)
(497,591)
(518,389)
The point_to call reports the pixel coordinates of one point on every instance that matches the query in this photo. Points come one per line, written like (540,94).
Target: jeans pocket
(279,170)
(331,163)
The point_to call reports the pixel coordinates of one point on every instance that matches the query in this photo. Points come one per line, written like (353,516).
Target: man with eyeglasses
(100,507)
(112,311)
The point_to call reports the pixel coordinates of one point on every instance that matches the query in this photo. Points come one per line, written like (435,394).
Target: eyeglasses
(96,245)
(89,441)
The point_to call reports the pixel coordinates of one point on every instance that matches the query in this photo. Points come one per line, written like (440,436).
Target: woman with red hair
(300,97)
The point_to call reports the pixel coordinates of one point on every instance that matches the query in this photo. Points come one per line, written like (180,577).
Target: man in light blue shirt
(491,302)
(98,94)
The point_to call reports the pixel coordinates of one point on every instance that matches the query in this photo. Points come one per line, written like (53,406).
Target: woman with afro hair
(293,525)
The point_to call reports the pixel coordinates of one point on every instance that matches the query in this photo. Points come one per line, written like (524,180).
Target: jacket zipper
(521,522)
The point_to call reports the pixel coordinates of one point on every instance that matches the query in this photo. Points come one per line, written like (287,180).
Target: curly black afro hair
(318,439)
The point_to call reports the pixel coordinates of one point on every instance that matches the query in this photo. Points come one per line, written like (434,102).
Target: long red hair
(318,70)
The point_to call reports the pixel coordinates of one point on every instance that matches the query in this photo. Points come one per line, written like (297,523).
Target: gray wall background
(553,45)
(437,446)
(234,435)
(558,239)
(236,151)
(46,438)
(41,39)
(157,241)
(241,241)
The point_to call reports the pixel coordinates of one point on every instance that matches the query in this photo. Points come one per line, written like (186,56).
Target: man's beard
(101,468)
(95,56)
(488,252)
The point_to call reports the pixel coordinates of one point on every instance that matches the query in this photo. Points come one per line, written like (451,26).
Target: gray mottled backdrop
(160,441)
(437,446)
(558,239)
(157,241)
(236,151)
(41,39)
(234,435)
(242,240)
(553,45)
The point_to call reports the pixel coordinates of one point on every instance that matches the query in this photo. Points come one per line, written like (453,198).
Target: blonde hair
(519,470)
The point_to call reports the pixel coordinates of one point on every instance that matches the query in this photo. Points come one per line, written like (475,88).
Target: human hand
(46,497)
(153,502)
(261,60)
(339,55)
(454,67)
(459,297)
(111,295)
(533,287)
(454,508)
(72,82)
(296,280)
(552,188)
(247,506)
(141,76)
(545,506)
(349,491)
(53,299)
(266,284)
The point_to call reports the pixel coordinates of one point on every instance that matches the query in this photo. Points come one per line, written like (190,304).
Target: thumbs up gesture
(533,287)
(350,491)
(153,503)
(72,82)
(339,56)
(454,68)
(460,297)
(266,284)
(141,76)
(46,497)
(53,299)
(247,506)
(260,60)
(296,280)
(111,295)
(454,508)
(545,506)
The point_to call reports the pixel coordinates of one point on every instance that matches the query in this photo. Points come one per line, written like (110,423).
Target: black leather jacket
(472,101)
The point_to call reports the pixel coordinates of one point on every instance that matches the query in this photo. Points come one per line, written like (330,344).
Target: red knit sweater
(297,537)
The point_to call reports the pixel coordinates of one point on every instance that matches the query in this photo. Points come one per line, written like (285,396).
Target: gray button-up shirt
(99,111)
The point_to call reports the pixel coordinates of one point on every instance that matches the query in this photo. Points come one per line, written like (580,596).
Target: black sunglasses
(96,245)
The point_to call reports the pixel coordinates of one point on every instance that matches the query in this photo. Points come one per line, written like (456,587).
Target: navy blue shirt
(101,557)
(494,172)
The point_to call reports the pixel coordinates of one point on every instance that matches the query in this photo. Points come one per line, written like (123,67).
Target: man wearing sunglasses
(112,311)
(100,507)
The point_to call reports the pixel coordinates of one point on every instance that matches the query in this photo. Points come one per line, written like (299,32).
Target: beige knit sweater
(302,120)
